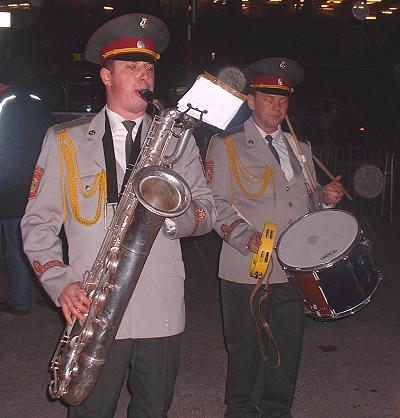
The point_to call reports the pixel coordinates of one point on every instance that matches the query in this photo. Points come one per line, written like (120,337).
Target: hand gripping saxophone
(153,192)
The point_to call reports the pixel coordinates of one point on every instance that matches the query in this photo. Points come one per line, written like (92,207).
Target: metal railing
(394,207)
(365,175)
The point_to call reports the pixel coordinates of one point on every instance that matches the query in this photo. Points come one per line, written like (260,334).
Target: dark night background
(351,66)
(352,81)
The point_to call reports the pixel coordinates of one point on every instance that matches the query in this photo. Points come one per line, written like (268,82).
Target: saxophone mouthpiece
(146,95)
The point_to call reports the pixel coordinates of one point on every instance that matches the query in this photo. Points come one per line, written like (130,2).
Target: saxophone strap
(133,156)
(258,269)
(111,169)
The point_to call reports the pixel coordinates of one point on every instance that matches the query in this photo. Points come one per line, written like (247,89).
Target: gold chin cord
(258,269)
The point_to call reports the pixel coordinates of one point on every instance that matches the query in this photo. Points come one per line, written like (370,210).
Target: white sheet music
(220,104)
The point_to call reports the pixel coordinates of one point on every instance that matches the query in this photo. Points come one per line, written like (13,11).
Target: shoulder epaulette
(73,123)
(231,131)
(302,140)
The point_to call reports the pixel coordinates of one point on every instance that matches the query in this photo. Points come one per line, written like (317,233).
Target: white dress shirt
(118,132)
(280,146)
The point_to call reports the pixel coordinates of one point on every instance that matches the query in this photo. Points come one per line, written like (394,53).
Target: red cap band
(128,46)
(272,81)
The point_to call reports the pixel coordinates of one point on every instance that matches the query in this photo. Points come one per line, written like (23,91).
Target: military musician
(257,175)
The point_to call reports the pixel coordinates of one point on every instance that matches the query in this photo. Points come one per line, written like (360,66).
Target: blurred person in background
(24,119)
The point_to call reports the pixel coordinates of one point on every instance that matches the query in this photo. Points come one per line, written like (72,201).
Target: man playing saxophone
(78,178)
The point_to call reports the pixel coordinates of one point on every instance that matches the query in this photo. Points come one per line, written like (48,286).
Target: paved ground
(350,368)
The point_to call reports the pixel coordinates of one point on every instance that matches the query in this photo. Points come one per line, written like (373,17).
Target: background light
(360,10)
(5,19)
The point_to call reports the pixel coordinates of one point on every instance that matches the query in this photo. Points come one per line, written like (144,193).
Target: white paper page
(221,105)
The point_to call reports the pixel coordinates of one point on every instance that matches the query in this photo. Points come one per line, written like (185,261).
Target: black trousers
(152,367)
(252,388)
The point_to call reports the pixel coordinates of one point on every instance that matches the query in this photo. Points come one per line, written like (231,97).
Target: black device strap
(111,169)
(133,157)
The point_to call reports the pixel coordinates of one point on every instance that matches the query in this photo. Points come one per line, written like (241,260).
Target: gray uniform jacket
(156,308)
(239,215)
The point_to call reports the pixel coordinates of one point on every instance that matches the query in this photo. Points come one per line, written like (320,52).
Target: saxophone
(152,193)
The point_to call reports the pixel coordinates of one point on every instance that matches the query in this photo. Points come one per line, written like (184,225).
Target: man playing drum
(257,176)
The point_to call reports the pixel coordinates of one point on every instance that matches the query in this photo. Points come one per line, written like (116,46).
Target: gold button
(290,204)
(287,188)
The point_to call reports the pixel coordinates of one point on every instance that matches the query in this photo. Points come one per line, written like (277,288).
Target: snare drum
(327,257)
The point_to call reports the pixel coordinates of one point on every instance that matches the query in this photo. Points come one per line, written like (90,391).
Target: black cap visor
(269,90)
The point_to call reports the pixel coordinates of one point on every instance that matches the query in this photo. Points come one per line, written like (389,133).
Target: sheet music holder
(218,101)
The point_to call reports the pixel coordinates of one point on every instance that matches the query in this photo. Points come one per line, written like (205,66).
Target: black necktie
(272,148)
(129,144)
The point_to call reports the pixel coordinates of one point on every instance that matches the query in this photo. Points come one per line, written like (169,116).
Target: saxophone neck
(159,106)
(167,120)
(148,96)
(180,148)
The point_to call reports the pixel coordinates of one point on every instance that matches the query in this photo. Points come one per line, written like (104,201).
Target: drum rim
(322,266)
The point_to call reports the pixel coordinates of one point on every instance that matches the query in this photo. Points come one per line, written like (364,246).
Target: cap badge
(143,23)
(140,44)
(280,81)
(282,64)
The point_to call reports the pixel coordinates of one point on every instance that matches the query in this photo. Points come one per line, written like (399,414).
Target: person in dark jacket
(24,119)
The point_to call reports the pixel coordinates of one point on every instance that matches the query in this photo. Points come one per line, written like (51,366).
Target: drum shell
(338,288)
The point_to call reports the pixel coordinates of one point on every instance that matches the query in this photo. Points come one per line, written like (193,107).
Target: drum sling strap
(313,188)
(262,320)
(258,269)
(257,312)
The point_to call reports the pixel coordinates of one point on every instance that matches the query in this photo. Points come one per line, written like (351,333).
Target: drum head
(317,239)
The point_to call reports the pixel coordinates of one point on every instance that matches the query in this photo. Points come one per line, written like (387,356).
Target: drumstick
(324,168)
(300,152)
